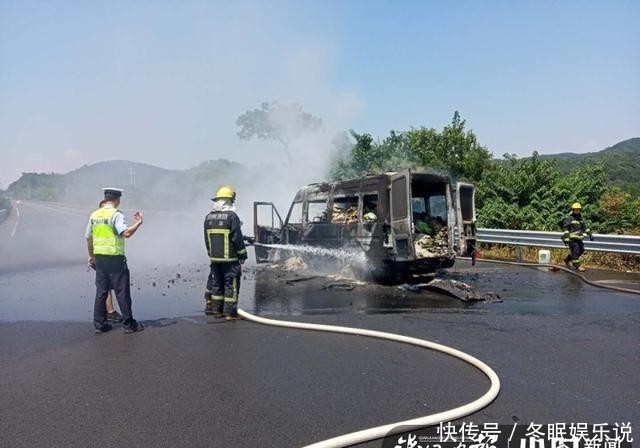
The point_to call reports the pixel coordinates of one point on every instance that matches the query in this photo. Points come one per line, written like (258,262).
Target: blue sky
(163,82)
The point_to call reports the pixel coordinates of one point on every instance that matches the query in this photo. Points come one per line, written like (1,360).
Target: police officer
(573,236)
(226,249)
(105,235)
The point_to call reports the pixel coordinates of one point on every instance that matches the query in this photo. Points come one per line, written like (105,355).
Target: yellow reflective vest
(105,239)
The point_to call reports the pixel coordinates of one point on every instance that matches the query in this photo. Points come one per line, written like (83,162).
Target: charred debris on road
(294,274)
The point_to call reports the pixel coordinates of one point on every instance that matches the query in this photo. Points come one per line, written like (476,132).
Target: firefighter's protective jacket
(574,228)
(222,234)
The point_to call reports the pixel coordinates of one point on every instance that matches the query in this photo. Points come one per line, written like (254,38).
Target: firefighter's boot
(208,307)
(567,261)
(217,307)
(231,309)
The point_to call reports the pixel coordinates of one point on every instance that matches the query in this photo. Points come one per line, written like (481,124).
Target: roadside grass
(604,260)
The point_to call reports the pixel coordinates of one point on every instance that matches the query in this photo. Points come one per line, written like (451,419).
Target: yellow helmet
(225,192)
(576,205)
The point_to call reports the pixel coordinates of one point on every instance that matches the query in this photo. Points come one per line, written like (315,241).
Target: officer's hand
(91,261)
(137,216)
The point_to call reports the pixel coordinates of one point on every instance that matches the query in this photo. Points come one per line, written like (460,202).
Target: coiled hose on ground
(392,428)
(378,432)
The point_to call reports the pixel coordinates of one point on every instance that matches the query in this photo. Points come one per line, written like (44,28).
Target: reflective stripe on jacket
(223,237)
(105,239)
(574,228)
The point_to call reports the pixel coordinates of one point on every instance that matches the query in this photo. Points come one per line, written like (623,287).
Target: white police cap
(114,192)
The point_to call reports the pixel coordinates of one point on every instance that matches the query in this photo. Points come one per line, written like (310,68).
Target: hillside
(146,185)
(621,162)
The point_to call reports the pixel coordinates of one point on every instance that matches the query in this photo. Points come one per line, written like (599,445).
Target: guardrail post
(519,254)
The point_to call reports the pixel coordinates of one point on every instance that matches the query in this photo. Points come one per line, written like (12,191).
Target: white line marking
(15,227)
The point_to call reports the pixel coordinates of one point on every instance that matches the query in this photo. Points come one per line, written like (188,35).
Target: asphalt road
(564,351)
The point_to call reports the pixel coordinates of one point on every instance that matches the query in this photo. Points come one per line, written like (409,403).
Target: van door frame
(401,227)
(452,217)
(466,228)
(273,234)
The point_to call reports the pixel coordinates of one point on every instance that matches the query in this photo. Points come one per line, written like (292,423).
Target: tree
(617,211)
(275,121)
(361,155)
(519,194)
(533,194)
(455,150)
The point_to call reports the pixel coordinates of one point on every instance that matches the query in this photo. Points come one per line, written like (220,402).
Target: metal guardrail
(622,244)
(4,214)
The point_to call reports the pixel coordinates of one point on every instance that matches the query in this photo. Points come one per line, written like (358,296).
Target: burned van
(406,223)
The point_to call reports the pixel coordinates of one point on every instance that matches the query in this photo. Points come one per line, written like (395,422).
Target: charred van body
(406,223)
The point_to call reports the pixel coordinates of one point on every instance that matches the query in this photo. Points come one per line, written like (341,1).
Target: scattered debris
(345,286)
(301,279)
(344,216)
(295,264)
(427,246)
(341,278)
(455,288)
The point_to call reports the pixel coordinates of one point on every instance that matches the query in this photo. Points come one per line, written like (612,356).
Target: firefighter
(105,235)
(574,228)
(225,245)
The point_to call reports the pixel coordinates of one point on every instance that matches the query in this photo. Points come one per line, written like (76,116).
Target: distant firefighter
(575,228)
(105,235)
(226,249)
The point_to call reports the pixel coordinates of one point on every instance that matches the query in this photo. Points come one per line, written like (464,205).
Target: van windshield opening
(317,211)
(295,213)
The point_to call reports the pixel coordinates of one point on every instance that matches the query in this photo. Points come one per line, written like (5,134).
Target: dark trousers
(118,280)
(223,287)
(577,249)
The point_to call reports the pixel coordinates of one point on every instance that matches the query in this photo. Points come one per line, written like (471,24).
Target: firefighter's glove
(590,237)
(249,240)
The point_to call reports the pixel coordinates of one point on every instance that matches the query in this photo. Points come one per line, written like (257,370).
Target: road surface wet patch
(66,293)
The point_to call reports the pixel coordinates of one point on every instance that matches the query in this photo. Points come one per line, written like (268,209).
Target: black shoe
(218,314)
(114,316)
(134,328)
(103,329)
(233,316)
